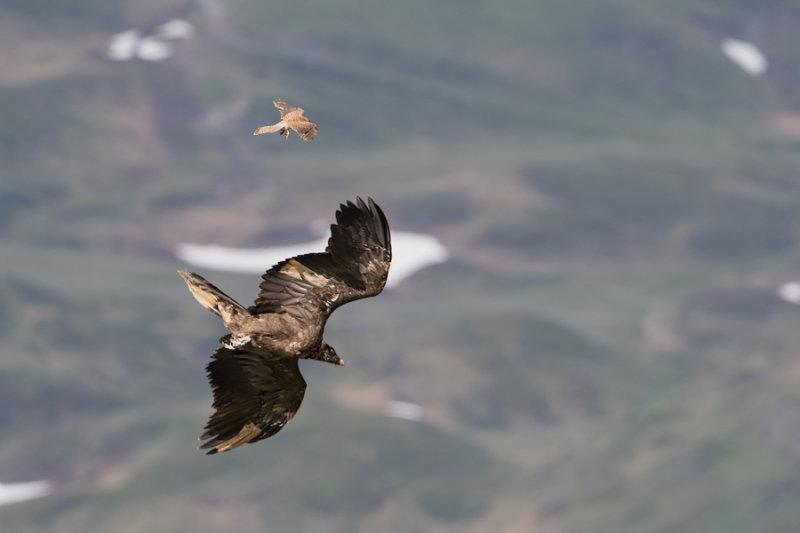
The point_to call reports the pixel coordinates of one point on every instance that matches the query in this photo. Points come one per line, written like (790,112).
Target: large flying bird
(291,119)
(255,374)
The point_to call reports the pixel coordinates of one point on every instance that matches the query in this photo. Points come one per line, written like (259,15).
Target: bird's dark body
(255,375)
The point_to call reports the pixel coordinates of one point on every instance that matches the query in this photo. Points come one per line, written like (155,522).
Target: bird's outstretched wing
(354,265)
(255,395)
(270,129)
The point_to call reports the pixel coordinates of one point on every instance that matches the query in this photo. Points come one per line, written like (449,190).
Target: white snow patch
(746,56)
(790,292)
(404,410)
(20,492)
(122,46)
(411,252)
(129,44)
(175,29)
(152,48)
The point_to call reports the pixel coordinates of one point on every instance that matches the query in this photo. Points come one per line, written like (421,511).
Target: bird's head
(329,355)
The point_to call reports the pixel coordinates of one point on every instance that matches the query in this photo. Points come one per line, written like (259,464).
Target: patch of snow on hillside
(154,49)
(746,56)
(175,29)
(404,410)
(20,492)
(411,252)
(790,292)
(122,46)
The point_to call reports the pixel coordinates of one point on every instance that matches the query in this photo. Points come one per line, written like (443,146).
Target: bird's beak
(341,362)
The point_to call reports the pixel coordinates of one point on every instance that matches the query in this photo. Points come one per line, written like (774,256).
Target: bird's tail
(211,297)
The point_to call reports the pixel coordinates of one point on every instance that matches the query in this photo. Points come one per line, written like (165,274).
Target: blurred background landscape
(604,351)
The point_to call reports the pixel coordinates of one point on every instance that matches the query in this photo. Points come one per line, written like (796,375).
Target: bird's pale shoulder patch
(297,270)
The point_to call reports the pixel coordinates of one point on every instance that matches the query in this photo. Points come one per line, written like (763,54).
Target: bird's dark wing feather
(354,265)
(255,395)
(306,129)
